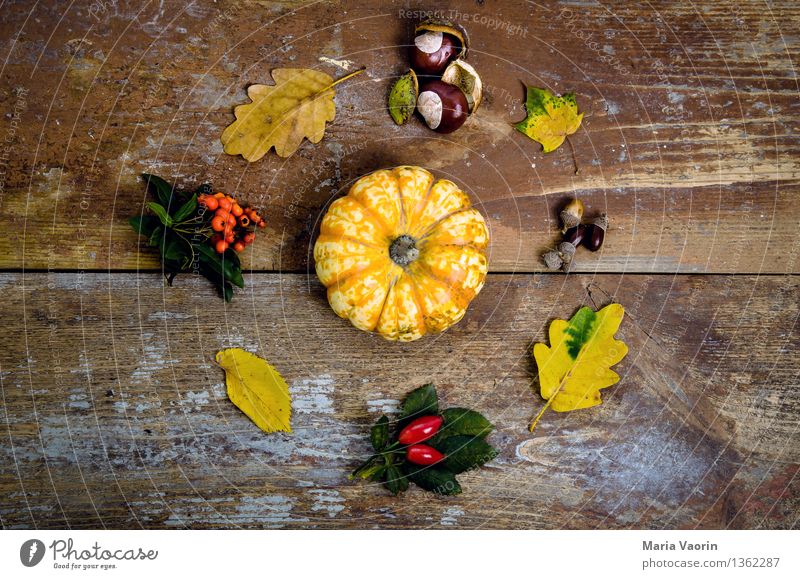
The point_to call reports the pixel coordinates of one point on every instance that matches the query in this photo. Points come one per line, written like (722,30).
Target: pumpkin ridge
(422,204)
(366,298)
(403,217)
(415,293)
(438,222)
(386,301)
(460,291)
(375,217)
(328,236)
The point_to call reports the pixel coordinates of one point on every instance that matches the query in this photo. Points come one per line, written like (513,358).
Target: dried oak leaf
(257,389)
(578,362)
(550,117)
(297,106)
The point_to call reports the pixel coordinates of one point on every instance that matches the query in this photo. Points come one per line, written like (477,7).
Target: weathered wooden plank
(116,415)
(690,141)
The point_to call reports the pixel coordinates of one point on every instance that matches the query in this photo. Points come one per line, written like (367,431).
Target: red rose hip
(420,429)
(423,455)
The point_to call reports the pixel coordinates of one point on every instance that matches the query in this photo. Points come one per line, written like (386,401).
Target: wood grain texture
(116,415)
(690,141)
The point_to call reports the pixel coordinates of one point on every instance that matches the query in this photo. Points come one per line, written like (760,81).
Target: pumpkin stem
(403,250)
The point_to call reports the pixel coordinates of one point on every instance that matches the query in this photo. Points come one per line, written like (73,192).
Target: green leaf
(461,421)
(465,452)
(144,224)
(550,118)
(379,435)
(227,292)
(186,209)
(160,188)
(396,482)
(161,213)
(233,267)
(370,471)
(420,402)
(434,479)
(156,236)
(225,268)
(177,249)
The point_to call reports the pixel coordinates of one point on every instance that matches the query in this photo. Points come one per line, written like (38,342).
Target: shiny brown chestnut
(432,51)
(443,106)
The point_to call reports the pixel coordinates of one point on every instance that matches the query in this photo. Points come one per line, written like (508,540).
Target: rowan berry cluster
(232,223)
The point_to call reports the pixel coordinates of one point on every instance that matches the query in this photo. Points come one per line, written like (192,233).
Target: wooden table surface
(113,412)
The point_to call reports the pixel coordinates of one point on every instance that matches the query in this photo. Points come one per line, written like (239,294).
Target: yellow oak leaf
(257,389)
(297,106)
(578,362)
(550,117)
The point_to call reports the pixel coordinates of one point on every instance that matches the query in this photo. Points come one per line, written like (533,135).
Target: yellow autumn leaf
(257,389)
(578,362)
(550,117)
(297,106)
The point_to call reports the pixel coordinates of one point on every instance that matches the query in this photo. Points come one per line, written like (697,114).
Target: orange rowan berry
(218,223)
(223,214)
(221,246)
(219,195)
(244,221)
(211,203)
(238,246)
(231,220)
(262,224)
(236,209)
(225,203)
(229,238)
(249,238)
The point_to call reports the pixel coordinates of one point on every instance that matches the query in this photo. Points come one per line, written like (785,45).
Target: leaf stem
(574,157)
(344,78)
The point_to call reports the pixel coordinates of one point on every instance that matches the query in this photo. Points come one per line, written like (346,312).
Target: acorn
(443,106)
(571,215)
(436,44)
(596,233)
(575,235)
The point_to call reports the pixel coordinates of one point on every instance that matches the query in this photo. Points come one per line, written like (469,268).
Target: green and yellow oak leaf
(550,117)
(577,364)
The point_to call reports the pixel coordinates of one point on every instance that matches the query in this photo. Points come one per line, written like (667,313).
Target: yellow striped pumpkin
(401,254)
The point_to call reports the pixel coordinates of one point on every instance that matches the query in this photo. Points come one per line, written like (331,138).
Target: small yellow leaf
(257,389)
(578,362)
(297,106)
(550,118)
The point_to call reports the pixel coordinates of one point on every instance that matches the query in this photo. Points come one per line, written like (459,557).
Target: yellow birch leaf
(550,117)
(297,106)
(578,362)
(257,389)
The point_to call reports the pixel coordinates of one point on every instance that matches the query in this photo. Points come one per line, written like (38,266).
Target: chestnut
(443,106)
(432,51)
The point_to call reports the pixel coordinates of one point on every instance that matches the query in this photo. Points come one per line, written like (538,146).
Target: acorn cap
(447,27)
(552,260)
(462,75)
